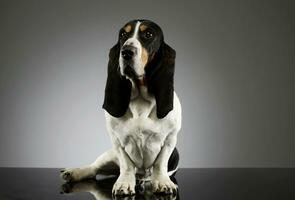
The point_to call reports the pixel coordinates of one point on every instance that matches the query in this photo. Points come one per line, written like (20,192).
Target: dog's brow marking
(127,28)
(136,29)
(143,27)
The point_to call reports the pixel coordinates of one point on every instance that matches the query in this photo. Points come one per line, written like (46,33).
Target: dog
(142,111)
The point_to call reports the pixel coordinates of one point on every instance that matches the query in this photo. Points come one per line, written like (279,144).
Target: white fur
(146,140)
(142,143)
(140,132)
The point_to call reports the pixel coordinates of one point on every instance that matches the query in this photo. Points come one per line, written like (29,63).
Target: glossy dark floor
(203,184)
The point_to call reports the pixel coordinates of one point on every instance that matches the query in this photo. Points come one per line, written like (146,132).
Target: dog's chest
(143,145)
(139,131)
(144,137)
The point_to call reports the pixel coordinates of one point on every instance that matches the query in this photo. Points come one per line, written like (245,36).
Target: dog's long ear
(160,79)
(118,88)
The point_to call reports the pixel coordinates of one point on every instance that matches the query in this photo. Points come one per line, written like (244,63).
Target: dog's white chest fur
(141,142)
(139,131)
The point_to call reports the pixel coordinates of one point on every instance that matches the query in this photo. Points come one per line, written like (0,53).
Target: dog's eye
(148,34)
(123,34)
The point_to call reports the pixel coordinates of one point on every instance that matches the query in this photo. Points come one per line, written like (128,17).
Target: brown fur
(144,57)
(127,28)
(143,27)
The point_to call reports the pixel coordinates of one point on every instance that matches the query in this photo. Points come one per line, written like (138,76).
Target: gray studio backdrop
(234,76)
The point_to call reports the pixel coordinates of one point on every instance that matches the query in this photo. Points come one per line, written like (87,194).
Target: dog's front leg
(160,180)
(125,184)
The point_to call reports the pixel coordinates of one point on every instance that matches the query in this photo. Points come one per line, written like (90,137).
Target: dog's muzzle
(128,52)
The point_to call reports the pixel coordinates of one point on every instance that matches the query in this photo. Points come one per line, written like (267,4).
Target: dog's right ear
(118,88)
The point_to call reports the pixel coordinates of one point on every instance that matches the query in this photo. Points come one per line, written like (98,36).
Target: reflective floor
(203,184)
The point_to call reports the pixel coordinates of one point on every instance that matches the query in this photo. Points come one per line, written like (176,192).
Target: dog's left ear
(118,88)
(160,79)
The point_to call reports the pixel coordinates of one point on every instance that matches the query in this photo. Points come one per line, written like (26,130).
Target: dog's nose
(127,52)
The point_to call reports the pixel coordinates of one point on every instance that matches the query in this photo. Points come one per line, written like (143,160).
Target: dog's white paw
(163,184)
(76,174)
(124,186)
(70,175)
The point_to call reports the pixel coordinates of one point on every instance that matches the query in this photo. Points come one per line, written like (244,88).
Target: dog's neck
(139,89)
(141,81)
(140,96)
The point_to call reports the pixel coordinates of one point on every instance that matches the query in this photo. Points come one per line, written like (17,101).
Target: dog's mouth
(131,73)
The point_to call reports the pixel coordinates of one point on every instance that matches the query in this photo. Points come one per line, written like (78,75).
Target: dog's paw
(124,186)
(163,184)
(71,175)
(77,174)
(67,175)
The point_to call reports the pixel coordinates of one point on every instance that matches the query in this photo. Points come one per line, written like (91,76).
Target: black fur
(159,74)
(173,160)
(160,79)
(118,88)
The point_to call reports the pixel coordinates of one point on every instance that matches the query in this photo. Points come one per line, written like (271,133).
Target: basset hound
(143,113)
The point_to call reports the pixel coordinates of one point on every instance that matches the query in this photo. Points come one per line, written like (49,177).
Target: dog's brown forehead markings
(144,57)
(127,28)
(143,27)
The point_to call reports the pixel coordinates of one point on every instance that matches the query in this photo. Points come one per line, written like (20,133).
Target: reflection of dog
(101,190)
(143,113)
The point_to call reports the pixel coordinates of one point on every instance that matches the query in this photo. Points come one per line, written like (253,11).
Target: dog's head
(142,56)
(139,41)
